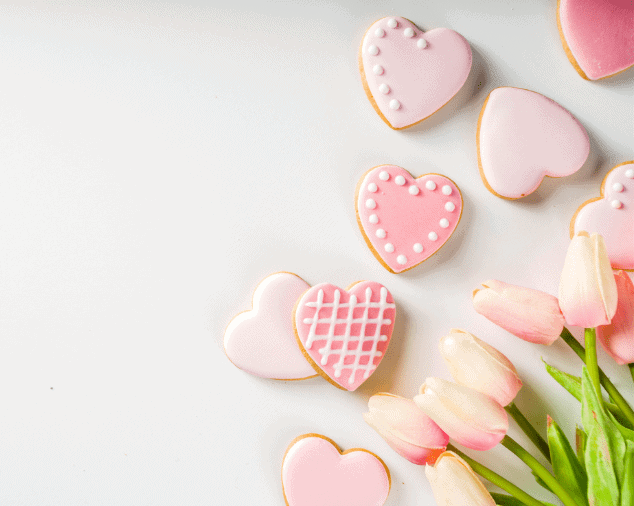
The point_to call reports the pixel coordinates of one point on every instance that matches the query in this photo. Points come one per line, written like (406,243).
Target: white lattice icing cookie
(409,74)
(344,333)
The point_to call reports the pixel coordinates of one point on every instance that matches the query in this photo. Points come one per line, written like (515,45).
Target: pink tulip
(409,432)
(618,337)
(526,313)
(587,290)
(475,364)
(471,418)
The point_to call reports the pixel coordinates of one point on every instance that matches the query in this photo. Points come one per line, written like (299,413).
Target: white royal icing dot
(446,190)
(378,70)
(380,233)
(433,236)
(444,223)
(413,190)
(370,204)
(395,104)
(379,32)
(384,175)
(450,206)
(372,187)
(399,180)
(422,43)
(384,88)
(430,185)
(618,187)
(373,50)
(389,247)
(392,23)
(629,173)
(408,32)
(401,259)
(374,219)
(616,204)
(418,248)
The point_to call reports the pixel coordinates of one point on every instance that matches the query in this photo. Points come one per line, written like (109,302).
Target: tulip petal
(618,337)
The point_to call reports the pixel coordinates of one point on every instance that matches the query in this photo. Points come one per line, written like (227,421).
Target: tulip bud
(526,313)
(587,290)
(409,432)
(455,484)
(475,364)
(618,337)
(471,418)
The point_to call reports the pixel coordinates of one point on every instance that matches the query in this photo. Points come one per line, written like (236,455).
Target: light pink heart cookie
(345,333)
(597,35)
(409,74)
(523,136)
(316,473)
(612,216)
(262,341)
(404,220)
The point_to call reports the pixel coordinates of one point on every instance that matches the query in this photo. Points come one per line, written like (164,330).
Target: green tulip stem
(614,394)
(591,360)
(539,470)
(497,480)
(529,430)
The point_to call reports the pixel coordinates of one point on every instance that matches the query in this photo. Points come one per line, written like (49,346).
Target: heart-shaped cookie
(316,473)
(523,136)
(612,216)
(597,35)
(262,341)
(409,74)
(344,333)
(404,220)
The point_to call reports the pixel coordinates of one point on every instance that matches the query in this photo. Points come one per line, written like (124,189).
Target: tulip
(618,337)
(526,313)
(587,290)
(475,364)
(471,418)
(455,484)
(409,432)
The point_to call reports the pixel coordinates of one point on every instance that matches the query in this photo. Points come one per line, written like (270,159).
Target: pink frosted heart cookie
(523,136)
(597,35)
(316,473)
(262,341)
(612,216)
(345,333)
(404,220)
(409,74)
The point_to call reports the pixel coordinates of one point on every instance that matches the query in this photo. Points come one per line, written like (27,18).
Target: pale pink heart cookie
(523,136)
(316,473)
(409,74)
(345,333)
(612,216)
(404,220)
(262,341)
(597,35)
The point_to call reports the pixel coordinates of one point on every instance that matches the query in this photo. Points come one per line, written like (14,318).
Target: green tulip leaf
(581,438)
(507,500)
(541,482)
(567,468)
(571,383)
(627,489)
(603,487)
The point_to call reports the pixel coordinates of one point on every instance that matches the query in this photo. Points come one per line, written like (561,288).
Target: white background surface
(158,159)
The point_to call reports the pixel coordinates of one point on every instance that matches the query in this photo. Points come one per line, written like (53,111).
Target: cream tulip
(475,364)
(618,337)
(455,484)
(409,432)
(526,313)
(587,290)
(471,418)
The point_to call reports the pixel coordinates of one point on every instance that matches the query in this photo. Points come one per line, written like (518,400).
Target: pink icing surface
(407,219)
(315,474)
(262,341)
(616,225)
(600,34)
(525,136)
(347,343)
(421,79)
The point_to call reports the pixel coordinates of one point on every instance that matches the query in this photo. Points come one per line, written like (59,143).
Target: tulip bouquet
(598,469)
